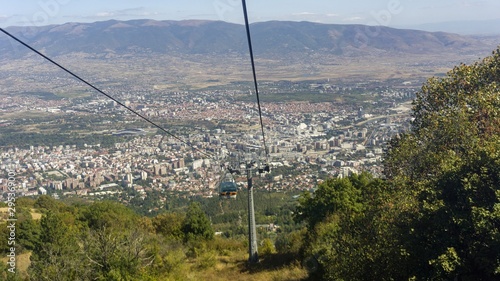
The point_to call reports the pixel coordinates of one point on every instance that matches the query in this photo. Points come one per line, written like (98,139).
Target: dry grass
(4,214)
(195,72)
(235,267)
(22,263)
(35,214)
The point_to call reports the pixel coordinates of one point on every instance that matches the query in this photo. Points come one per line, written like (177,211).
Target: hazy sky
(372,12)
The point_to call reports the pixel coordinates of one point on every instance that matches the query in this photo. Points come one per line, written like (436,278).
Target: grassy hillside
(211,266)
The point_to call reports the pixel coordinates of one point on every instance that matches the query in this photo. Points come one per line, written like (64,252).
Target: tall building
(130,179)
(361,113)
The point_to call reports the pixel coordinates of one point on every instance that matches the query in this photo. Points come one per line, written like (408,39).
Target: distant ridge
(201,37)
(483,27)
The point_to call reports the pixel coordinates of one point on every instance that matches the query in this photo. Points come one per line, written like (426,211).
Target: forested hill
(274,38)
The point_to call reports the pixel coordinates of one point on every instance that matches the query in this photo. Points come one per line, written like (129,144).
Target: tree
(29,233)
(291,243)
(57,256)
(455,233)
(349,229)
(446,176)
(108,214)
(115,241)
(196,224)
(47,203)
(169,225)
(118,254)
(453,116)
(331,196)
(267,247)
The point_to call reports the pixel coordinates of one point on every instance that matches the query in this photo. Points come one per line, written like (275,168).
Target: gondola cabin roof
(228,186)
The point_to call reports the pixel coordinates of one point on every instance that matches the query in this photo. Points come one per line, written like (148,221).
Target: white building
(42,191)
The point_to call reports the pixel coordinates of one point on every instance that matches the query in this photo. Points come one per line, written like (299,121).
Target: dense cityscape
(311,140)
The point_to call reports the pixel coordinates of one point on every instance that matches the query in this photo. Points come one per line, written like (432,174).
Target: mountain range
(474,27)
(270,39)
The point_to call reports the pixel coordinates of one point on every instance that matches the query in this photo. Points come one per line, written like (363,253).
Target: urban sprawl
(307,141)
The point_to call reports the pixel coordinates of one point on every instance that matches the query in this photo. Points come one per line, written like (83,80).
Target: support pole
(252,233)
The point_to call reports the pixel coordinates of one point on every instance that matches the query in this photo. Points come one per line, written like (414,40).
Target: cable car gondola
(228,188)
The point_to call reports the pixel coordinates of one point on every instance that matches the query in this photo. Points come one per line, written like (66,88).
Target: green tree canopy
(446,174)
(47,203)
(108,214)
(57,255)
(115,241)
(196,224)
(348,234)
(452,117)
(331,196)
(169,225)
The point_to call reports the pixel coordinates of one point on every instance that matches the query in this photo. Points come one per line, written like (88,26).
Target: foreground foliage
(349,228)
(436,216)
(107,241)
(447,171)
